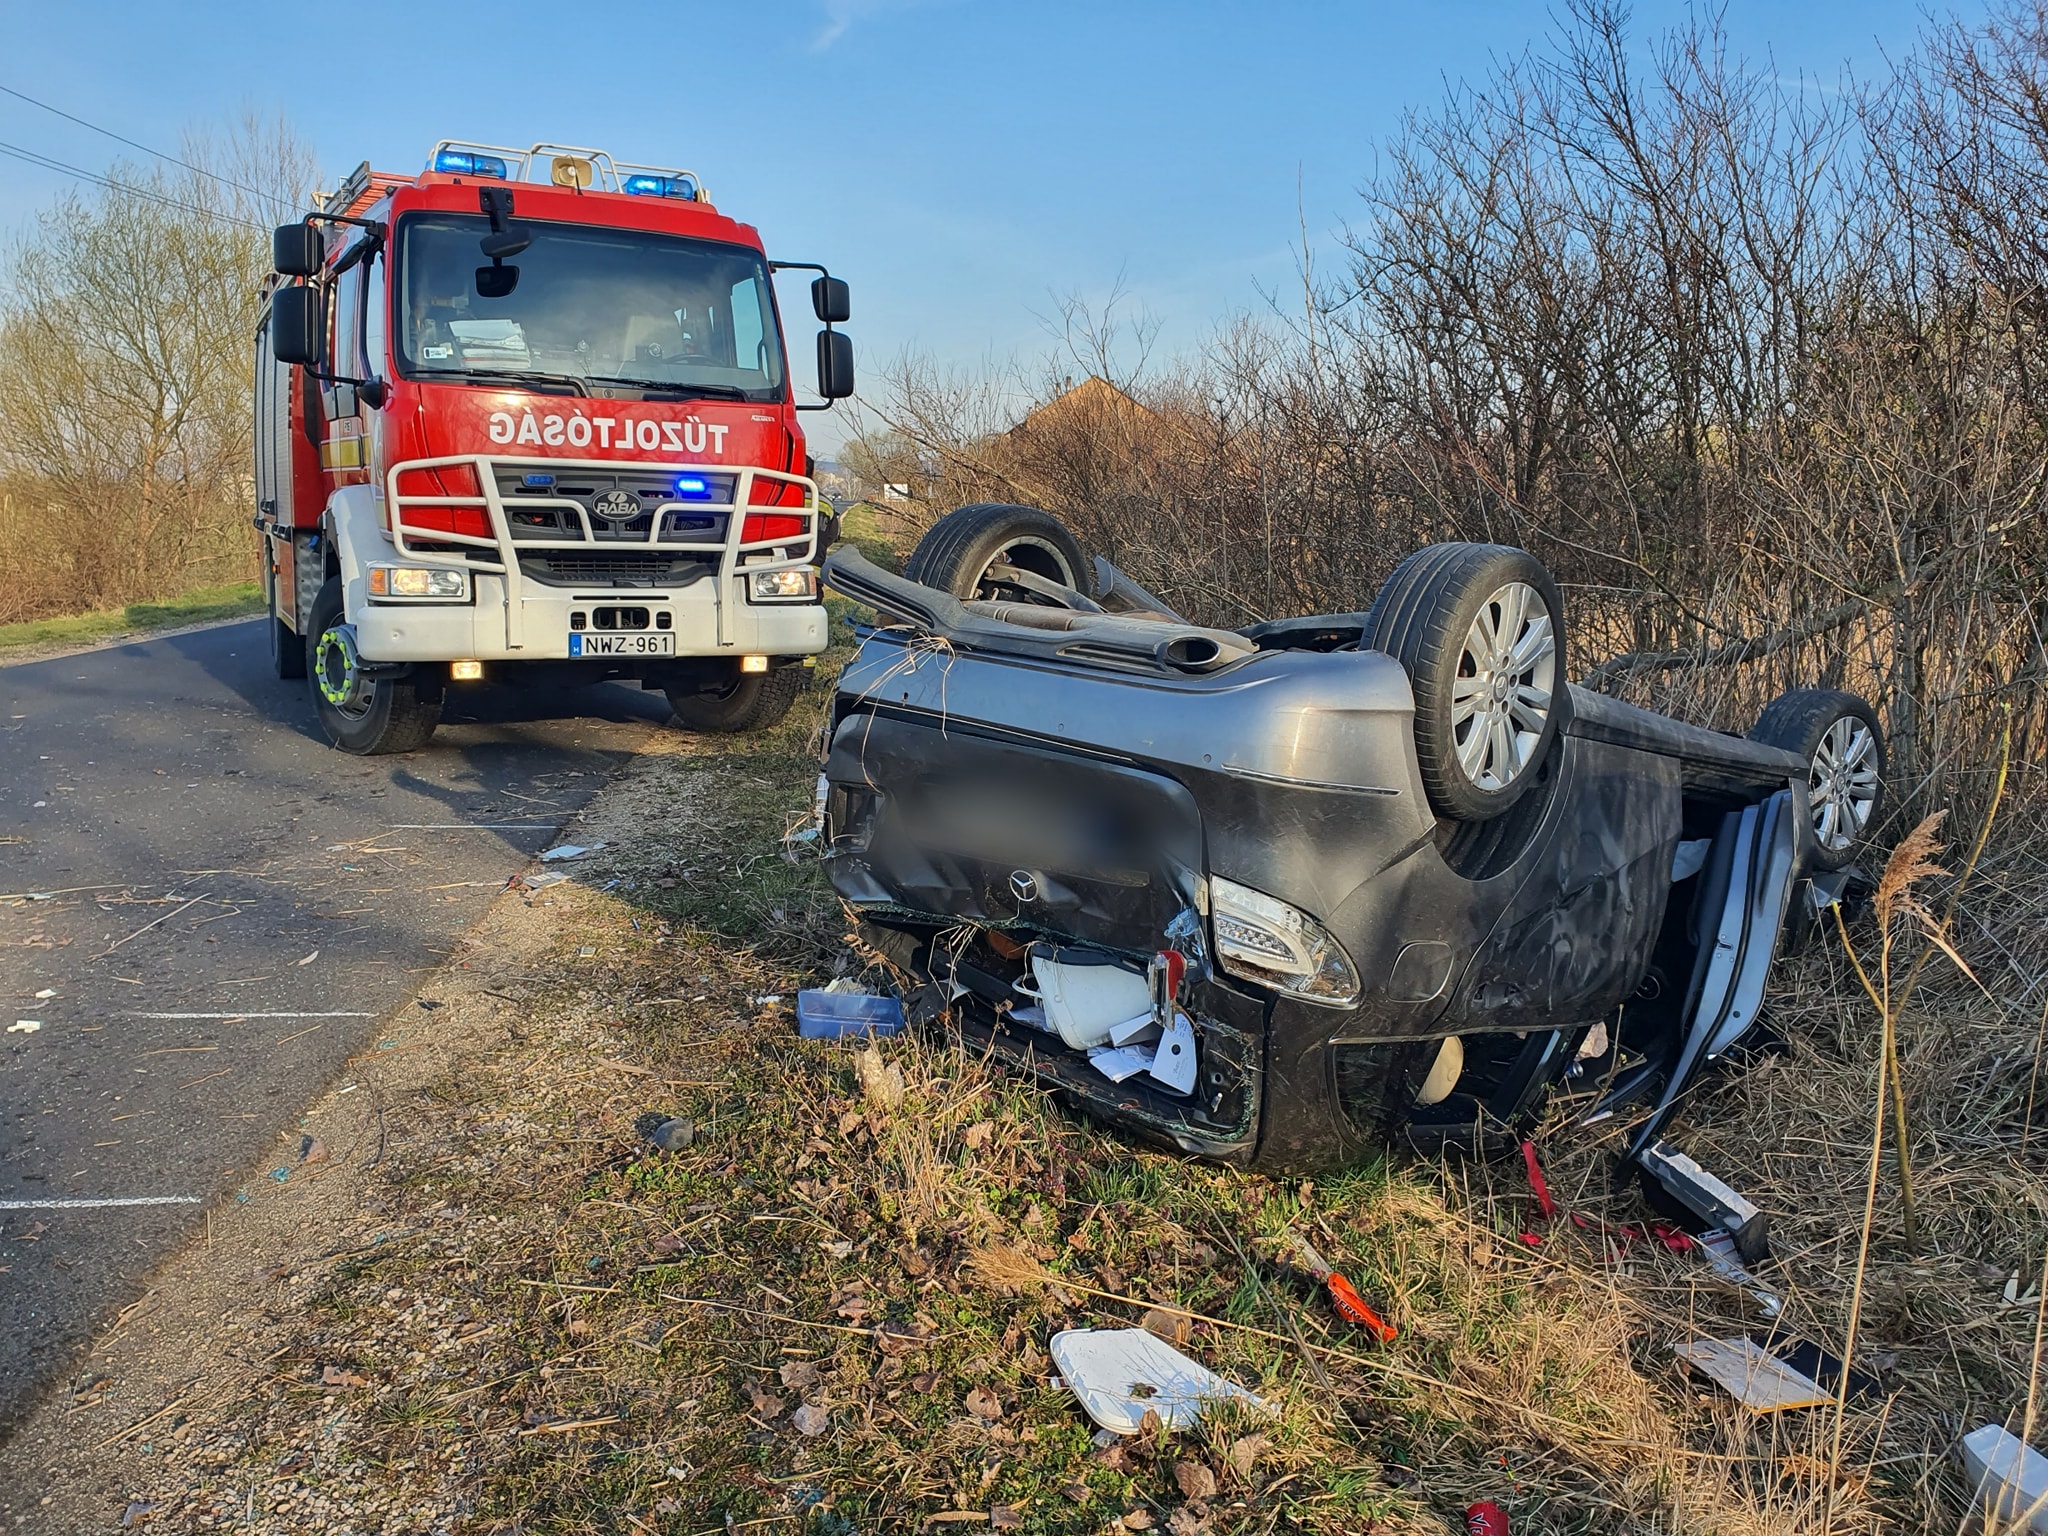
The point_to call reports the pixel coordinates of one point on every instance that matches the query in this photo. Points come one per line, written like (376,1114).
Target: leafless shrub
(126,345)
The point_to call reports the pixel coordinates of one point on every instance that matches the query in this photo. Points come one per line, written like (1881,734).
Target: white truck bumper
(479,630)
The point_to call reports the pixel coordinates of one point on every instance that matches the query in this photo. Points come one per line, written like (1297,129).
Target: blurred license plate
(652,643)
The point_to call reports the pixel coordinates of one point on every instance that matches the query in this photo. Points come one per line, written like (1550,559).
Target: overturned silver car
(1273,895)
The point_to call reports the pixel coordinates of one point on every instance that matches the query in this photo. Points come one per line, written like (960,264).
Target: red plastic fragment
(1351,1306)
(1486,1519)
(1536,1180)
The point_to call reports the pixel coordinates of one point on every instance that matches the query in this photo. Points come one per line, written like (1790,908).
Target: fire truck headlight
(794,586)
(435,583)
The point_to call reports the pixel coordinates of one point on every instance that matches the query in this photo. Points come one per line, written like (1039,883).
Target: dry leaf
(335,1376)
(800,1375)
(984,1404)
(766,1403)
(1004,1517)
(850,1122)
(1245,1454)
(1164,1323)
(924,1381)
(1194,1480)
(880,1083)
(1189,1520)
(1139,1520)
(811,1420)
(1148,1426)
(978,1135)
(1078,1492)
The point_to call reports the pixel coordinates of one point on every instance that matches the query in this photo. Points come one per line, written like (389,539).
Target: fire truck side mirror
(298,325)
(835,364)
(296,250)
(832,301)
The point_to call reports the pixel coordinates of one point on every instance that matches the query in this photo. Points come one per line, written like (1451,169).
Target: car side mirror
(298,325)
(832,300)
(297,250)
(835,364)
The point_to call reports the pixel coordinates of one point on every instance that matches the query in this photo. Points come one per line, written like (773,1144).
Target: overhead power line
(197,170)
(44,162)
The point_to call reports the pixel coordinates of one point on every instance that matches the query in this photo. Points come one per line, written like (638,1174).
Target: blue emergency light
(542,480)
(684,187)
(693,488)
(462,162)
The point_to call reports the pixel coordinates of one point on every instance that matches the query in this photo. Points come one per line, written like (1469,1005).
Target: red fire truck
(528,416)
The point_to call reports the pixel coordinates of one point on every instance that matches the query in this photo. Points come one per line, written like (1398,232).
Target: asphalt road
(233,907)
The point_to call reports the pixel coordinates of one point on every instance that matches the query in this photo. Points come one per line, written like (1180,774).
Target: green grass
(202,605)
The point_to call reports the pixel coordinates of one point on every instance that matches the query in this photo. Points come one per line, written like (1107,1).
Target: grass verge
(830,1311)
(203,605)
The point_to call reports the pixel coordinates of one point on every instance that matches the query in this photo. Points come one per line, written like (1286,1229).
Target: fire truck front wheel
(751,702)
(363,712)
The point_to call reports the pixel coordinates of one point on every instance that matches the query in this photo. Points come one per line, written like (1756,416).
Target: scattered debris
(2008,1479)
(541,879)
(1722,1259)
(1343,1295)
(1085,996)
(138,1511)
(1121,1375)
(1708,1198)
(674,1134)
(1486,1518)
(1753,1376)
(308,959)
(312,1150)
(811,1420)
(832,1014)
(47,992)
(24,1026)
(337,1376)
(568,851)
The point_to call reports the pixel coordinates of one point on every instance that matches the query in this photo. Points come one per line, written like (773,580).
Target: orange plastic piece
(1351,1305)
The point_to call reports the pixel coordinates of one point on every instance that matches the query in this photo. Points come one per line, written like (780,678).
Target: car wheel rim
(337,670)
(1842,783)
(1501,697)
(1038,557)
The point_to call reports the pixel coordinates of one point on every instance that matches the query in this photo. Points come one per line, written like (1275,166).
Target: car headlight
(1267,941)
(435,582)
(793,586)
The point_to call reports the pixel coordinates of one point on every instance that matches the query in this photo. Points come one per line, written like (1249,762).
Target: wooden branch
(1749,648)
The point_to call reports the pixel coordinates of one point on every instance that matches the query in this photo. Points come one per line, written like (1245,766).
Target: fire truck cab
(528,416)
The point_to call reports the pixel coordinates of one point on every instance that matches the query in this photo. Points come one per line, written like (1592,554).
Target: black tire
(957,551)
(753,702)
(375,715)
(287,650)
(1838,735)
(1477,763)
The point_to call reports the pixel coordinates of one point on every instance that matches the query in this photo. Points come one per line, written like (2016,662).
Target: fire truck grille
(571,568)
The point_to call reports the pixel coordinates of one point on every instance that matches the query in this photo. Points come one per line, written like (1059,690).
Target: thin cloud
(840,15)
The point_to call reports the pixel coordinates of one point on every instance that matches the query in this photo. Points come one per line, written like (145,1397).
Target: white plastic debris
(2008,1479)
(1085,1002)
(1753,1376)
(24,1026)
(541,879)
(1119,1062)
(569,851)
(1118,1374)
(1173,1063)
(1722,1259)
(1143,1030)
(47,992)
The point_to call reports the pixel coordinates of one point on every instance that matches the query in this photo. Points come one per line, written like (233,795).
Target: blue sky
(959,161)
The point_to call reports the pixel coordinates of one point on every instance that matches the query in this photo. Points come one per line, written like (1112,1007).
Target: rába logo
(618,506)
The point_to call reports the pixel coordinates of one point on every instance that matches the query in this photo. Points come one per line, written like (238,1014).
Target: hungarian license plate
(650,643)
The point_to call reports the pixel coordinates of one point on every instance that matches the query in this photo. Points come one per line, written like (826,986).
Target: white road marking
(469,826)
(134,1015)
(92,1204)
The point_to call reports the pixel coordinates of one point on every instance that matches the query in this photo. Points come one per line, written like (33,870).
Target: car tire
(1486,708)
(753,702)
(1838,735)
(368,716)
(956,553)
(287,649)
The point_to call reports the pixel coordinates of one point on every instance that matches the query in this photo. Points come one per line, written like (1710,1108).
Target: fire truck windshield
(597,305)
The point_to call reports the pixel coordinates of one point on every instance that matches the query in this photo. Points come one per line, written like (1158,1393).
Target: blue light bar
(460,162)
(684,187)
(693,488)
(537,479)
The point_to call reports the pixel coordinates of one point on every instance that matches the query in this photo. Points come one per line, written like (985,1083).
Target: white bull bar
(733,554)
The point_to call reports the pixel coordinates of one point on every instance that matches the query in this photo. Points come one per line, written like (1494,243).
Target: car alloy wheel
(1501,699)
(1842,783)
